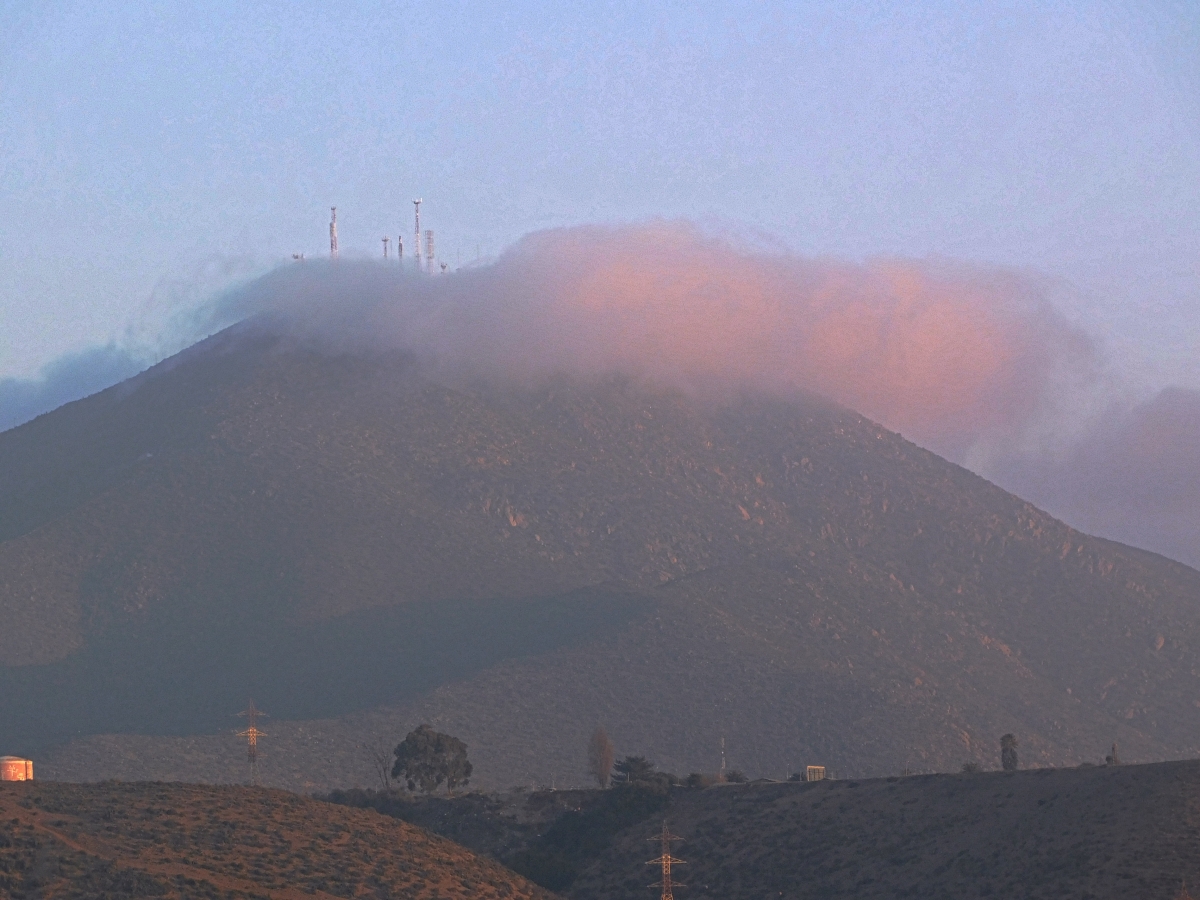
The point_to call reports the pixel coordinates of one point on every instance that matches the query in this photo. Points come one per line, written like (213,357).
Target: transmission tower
(252,734)
(666,860)
(429,250)
(385,246)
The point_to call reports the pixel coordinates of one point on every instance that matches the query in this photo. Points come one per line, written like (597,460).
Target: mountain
(176,840)
(361,546)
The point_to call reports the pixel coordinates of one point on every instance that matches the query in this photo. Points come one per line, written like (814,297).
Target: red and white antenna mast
(333,248)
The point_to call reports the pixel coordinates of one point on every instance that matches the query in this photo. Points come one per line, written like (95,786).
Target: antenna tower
(721,777)
(429,249)
(385,246)
(417,245)
(333,250)
(666,860)
(252,734)
(400,248)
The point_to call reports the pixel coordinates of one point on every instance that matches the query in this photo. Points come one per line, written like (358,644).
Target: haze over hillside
(345,530)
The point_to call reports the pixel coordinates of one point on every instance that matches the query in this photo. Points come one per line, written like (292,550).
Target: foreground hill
(362,548)
(158,840)
(1105,833)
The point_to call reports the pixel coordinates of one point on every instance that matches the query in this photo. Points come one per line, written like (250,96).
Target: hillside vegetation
(361,548)
(1105,833)
(189,841)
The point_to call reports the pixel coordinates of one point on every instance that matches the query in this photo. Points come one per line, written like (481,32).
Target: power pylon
(666,860)
(252,734)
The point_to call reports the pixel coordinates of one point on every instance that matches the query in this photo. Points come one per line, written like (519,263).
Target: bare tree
(379,755)
(601,755)
(1008,753)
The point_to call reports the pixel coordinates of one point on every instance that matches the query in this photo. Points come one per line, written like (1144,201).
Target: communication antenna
(252,734)
(722,775)
(333,250)
(444,266)
(429,250)
(385,246)
(298,257)
(400,248)
(417,245)
(666,860)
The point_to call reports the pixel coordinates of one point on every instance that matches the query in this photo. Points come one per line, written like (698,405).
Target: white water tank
(14,768)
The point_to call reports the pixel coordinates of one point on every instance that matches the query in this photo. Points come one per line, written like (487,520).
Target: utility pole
(665,860)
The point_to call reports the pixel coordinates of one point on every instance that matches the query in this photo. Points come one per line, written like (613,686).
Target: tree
(633,770)
(1008,753)
(601,754)
(971,768)
(376,752)
(426,758)
(735,776)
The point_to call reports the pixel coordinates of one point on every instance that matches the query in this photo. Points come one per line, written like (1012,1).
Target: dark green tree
(1008,753)
(426,758)
(633,770)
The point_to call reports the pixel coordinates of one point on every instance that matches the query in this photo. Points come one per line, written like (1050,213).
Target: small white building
(14,768)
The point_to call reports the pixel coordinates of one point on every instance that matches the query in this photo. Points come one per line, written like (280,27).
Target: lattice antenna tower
(665,860)
(400,249)
(333,248)
(721,776)
(417,245)
(252,734)
(429,249)
(385,246)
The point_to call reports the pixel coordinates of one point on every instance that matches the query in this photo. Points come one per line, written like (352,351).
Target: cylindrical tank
(14,768)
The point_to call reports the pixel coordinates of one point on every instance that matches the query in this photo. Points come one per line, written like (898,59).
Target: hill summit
(361,547)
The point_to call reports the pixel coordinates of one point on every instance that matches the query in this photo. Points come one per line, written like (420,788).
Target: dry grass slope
(112,840)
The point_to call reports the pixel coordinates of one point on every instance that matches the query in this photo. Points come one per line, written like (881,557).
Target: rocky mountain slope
(360,548)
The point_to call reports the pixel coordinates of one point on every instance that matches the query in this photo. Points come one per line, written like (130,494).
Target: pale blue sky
(150,152)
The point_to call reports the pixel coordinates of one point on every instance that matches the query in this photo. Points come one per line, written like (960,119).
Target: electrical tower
(385,246)
(252,734)
(429,250)
(333,250)
(417,245)
(666,860)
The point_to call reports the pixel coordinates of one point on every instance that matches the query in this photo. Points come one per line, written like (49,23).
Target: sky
(152,155)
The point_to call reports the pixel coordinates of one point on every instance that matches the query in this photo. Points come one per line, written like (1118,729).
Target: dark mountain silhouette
(361,547)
